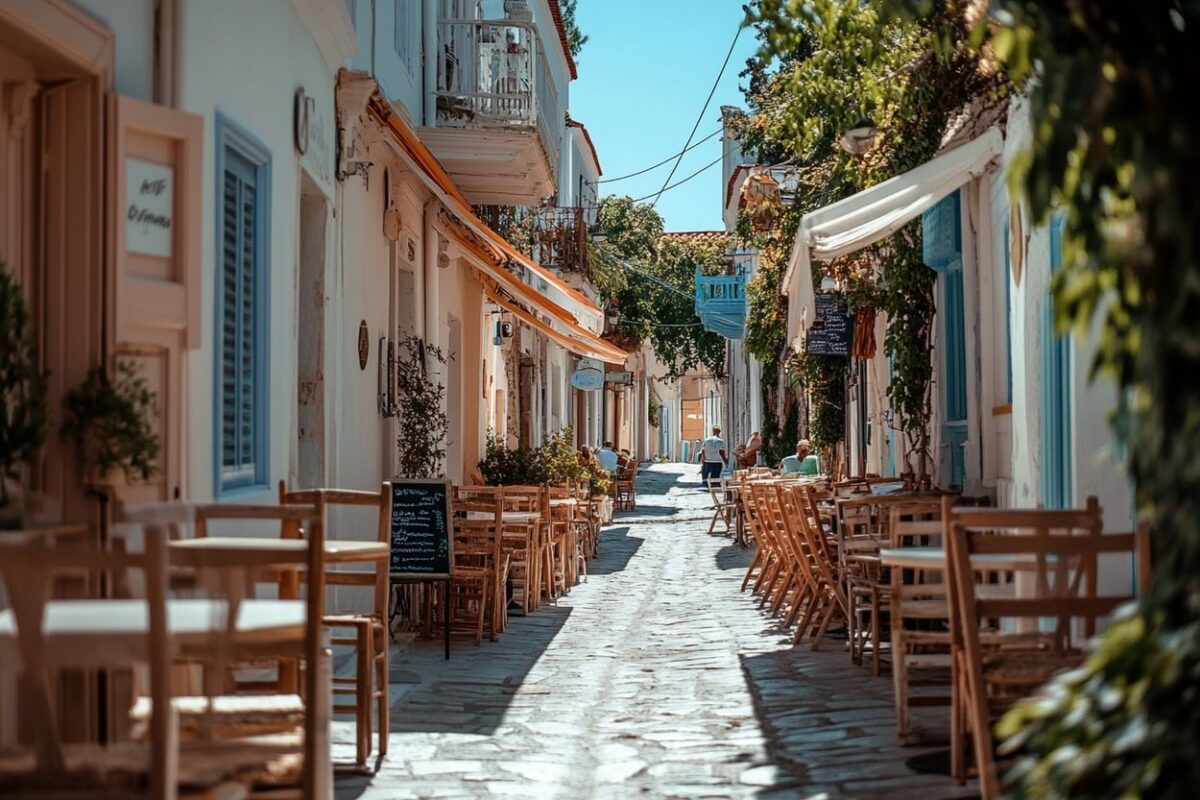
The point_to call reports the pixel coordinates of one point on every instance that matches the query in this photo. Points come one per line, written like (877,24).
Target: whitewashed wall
(132,21)
(276,53)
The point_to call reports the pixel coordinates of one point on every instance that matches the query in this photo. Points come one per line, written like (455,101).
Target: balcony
(721,303)
(554,236)
(497,126)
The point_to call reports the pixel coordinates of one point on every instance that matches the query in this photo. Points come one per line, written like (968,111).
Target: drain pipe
(430,325)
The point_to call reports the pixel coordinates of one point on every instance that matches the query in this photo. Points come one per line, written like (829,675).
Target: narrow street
(655,678)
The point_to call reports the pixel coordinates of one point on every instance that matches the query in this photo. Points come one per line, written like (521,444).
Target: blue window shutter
(1056,391)
(956,347)
(941,234)
(241,298)
(1007,278)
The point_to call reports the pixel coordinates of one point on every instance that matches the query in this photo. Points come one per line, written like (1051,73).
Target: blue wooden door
(942,244)
(1056,392)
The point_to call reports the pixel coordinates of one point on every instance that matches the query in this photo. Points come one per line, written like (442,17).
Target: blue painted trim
(228,135)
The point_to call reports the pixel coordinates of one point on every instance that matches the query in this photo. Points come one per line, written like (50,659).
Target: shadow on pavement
(471,692)
(733,557)
(830,728)
(617,548)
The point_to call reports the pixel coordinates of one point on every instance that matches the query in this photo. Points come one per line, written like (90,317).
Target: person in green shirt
(803,463)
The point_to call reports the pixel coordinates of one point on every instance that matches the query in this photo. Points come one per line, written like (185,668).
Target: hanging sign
(421,532)
(589,364)
(831,331)
(587,380)
(149,207)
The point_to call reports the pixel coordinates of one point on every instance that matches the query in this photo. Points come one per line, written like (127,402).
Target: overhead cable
(700,117)
(664,161)
(705,168)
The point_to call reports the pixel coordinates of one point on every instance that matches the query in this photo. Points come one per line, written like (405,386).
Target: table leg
(446,616)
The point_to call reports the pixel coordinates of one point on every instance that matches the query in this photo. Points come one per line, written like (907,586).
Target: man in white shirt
(712,454)
(607,457)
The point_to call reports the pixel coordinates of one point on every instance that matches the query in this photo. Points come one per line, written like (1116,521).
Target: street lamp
(859,138)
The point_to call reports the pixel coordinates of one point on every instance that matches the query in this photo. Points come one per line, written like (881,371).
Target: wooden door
(154,265)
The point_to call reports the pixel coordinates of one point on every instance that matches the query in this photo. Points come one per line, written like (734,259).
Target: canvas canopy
(873,214)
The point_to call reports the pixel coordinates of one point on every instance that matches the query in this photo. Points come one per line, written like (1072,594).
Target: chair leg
(362,693)
(382,685)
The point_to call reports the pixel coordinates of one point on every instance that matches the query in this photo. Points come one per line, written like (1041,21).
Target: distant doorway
(310,393)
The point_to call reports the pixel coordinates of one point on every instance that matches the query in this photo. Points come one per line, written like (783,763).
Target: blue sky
(643,77)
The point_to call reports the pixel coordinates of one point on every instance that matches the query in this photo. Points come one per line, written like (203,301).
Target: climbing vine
(825,65)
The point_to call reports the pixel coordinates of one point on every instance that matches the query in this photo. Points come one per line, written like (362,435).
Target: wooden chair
(724,506)
(368,628)
(227,568)
(35,640)
(919,616)
(214,629)
(821,553)
(476,598)
(1006,647)
(624,487)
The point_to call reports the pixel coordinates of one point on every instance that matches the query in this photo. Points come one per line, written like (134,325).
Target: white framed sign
(149,207)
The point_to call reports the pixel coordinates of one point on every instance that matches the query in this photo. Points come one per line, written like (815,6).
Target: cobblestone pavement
(655,678)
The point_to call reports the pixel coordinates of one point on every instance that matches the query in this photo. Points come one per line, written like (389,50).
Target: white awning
(860,220)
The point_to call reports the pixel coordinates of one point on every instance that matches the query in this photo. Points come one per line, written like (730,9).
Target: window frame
(229,136)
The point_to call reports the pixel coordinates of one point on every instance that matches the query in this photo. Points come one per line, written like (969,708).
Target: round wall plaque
(364,345)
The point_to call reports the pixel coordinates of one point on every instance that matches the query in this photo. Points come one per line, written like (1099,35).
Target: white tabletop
(515,517)
(935,558)
(114,632)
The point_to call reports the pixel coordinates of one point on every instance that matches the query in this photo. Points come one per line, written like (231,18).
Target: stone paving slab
(655,678)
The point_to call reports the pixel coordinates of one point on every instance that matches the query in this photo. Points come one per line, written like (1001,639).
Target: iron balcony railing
(493,75)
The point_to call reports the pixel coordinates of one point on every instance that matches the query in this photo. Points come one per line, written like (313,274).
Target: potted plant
(424,426)
(24,416)
(110,422)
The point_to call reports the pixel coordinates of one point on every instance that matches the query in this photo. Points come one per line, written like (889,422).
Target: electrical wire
(705,168)
(700,117)
(659,164)
(629,267)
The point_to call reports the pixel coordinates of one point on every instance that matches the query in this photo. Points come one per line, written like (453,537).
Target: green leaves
(424,426)
(111,422)
(655,299)
(24,416)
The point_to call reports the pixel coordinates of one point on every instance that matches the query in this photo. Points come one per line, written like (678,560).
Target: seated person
(623,459)
(585,455)
(803,463)
(749,454)
(607,457)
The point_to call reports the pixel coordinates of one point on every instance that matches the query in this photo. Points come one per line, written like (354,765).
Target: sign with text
(619,378)
(831,332)
(422,533)
(150,207)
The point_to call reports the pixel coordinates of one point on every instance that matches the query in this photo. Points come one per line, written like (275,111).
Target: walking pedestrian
(712,457)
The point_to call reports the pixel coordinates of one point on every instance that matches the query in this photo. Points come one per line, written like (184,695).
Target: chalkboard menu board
(832,330)
(421,531)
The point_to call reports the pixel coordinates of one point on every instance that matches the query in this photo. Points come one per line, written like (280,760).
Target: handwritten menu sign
(421,529)
(831,331)
(149,207)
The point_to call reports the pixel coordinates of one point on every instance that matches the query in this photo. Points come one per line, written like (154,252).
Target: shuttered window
(1056,391)
(242,430)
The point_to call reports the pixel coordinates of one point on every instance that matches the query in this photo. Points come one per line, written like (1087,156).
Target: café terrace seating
(175,588)
(970,608)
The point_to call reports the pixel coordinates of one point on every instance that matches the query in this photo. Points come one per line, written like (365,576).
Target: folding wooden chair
(724,506)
